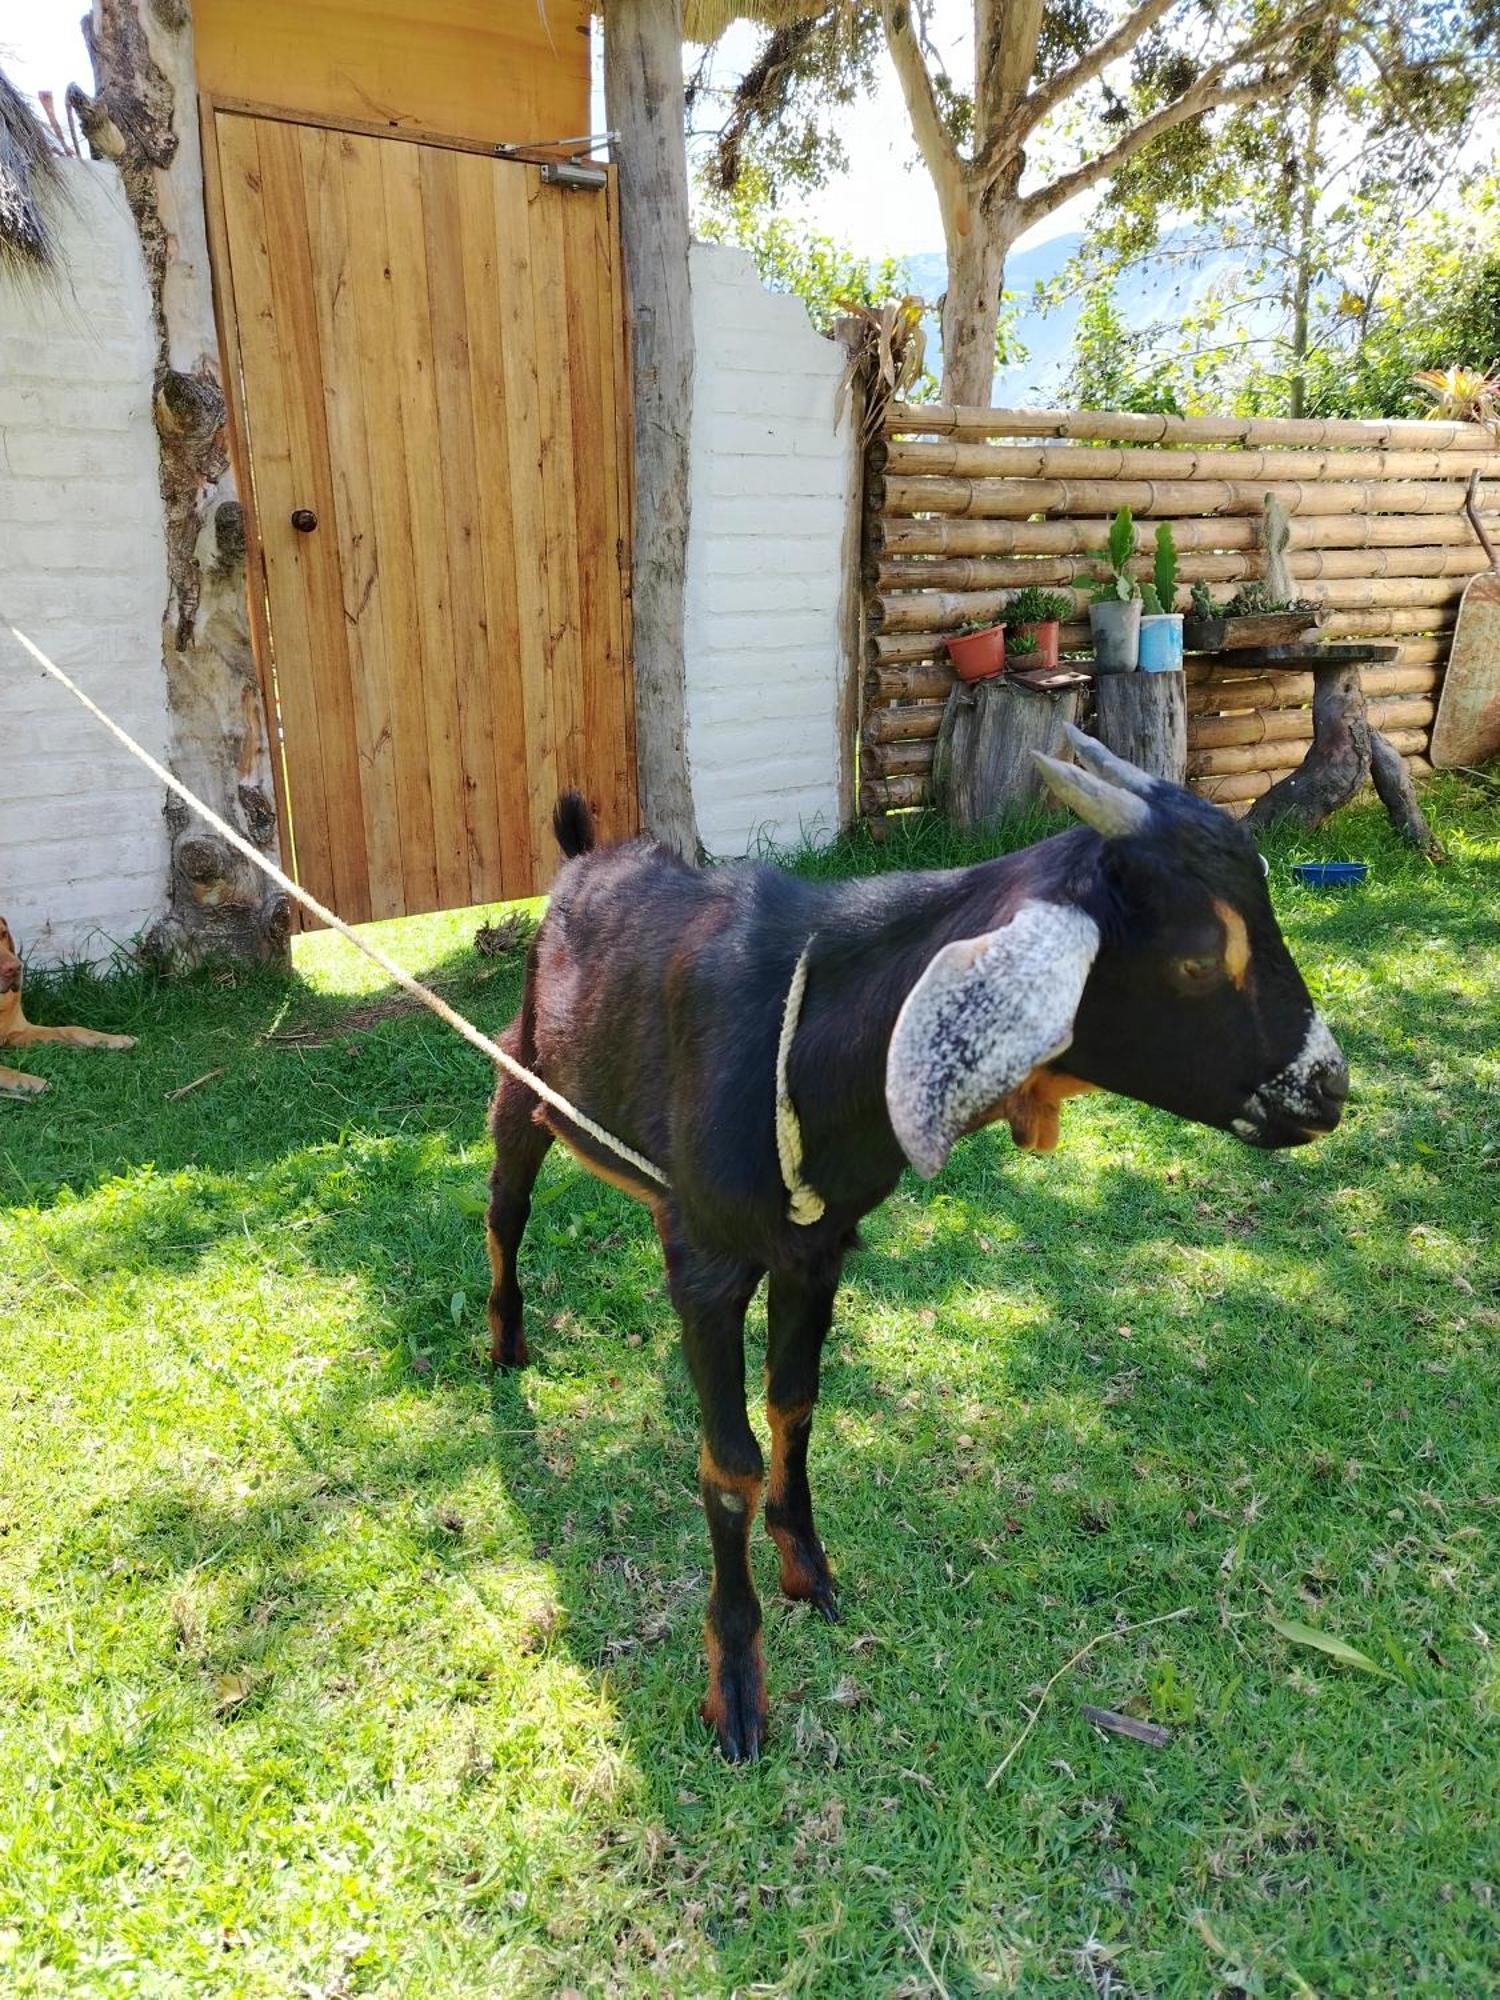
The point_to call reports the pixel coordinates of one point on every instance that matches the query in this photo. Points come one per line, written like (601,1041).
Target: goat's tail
(573,824)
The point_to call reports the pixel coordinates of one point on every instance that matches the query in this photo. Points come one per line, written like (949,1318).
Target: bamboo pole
(882,795)
(920,681)
(1018,499)
(948,610)
(947,536)
(1120,426)
(901,760)
(1240,757)
(897,573)
(1291,688)
(1294,725)
(925,458)
(906,723)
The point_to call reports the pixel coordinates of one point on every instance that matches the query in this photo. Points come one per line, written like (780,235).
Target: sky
(883,206)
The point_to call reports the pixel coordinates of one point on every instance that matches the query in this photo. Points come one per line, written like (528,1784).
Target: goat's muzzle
(1304,1101)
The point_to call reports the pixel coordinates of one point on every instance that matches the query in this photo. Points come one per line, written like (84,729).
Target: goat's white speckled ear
(983,1015)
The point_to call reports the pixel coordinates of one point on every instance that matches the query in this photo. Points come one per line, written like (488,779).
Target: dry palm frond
(1467,395)
(887,352)
(28,176)
(512,933)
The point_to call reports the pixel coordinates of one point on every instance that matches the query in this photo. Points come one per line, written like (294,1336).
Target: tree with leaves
(1065,96)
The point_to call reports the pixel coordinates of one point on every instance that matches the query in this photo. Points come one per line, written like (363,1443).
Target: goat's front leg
(711,1295)
(799,1312)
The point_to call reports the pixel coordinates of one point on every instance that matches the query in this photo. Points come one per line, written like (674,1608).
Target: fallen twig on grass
(1118,1632)
(182,1090)
(1127,1725)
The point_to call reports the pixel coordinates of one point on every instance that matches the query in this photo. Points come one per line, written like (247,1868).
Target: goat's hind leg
(520,1147)
(799,1312)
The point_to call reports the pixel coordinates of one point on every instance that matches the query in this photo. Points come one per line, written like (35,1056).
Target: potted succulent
(1115,609)
(978,651)
(1161,626)
(1037,614)
(1252,617)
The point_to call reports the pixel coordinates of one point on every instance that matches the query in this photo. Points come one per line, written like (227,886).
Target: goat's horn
(1107,809)
(1105,764)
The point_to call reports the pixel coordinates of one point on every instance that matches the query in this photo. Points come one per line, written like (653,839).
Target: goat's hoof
(508,1351)
(735,1709)
(825,1598)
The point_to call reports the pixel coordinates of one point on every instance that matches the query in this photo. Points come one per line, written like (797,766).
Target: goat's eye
(1197,975)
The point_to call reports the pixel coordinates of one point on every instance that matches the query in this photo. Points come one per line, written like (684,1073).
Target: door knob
(304,520)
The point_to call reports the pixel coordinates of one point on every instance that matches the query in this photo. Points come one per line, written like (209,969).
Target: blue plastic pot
(1330,874)
(1161,643)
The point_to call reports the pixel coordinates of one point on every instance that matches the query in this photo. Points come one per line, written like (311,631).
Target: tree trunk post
(982,766)
(977,248)
(1345,752)
(1143,718)
(145,118)
(644,96)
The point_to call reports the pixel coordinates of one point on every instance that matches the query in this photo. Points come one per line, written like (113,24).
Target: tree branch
(1205,95)
(932,136)
(1042,103)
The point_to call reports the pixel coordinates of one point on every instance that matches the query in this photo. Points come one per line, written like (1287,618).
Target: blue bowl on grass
(1330,874)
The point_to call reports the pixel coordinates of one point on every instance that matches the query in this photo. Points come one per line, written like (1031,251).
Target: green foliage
(1164,569)
(1151,603)
(1031,605)
(822,272)
(1116,554)
(332,1665)
(1112,368)
(1022,643)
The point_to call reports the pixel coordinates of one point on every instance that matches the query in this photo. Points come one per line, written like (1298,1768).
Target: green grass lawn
(331,1666)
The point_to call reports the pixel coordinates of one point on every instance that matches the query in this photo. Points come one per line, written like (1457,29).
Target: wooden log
(1240,792)
(882,795)
(1275,756)
(1294,725)
(898,573)
(1119,426)
(910,722)
(1019,499)
(1143,718)
(947,536)
(1391,777)
(983,766)
(942,458)
(1383,624)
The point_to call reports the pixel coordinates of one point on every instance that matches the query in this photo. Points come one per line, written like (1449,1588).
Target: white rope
(806,1204)
(402,977)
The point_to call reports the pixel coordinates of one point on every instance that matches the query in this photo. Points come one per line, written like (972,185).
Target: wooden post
(983,767)
(1345,753)
(1143,718)
(644,98)
(145,118)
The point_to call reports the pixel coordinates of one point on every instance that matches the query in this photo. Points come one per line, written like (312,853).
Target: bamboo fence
(960,513)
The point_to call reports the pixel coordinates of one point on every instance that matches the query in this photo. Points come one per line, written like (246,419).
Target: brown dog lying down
(16,1032)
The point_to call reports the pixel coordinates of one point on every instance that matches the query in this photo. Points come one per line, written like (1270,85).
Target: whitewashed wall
(83,850)
(768,555)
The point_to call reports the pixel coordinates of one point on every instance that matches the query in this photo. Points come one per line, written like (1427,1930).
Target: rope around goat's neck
(805,1205)
(402,977)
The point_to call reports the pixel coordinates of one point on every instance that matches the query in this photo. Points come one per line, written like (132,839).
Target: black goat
(1143,945)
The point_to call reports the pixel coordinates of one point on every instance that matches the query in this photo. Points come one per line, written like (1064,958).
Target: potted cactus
(1037,615)
(1161,625)
(1115,609)
(1252,617)
(978,651)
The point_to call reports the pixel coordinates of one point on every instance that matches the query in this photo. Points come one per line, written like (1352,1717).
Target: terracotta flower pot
(1047,636)
(978,656)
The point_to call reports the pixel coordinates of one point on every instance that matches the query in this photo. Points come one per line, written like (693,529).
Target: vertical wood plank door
(431,366)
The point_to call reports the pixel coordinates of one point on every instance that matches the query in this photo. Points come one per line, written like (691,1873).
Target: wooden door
(431,365)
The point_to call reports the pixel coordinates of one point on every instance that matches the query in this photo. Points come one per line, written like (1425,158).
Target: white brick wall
(772,486)
(83,848)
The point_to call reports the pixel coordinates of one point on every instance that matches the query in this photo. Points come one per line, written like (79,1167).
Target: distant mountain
(1146,295)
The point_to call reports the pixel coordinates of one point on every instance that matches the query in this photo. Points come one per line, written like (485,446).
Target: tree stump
(982,767)
(1345,753)
(1143,718)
